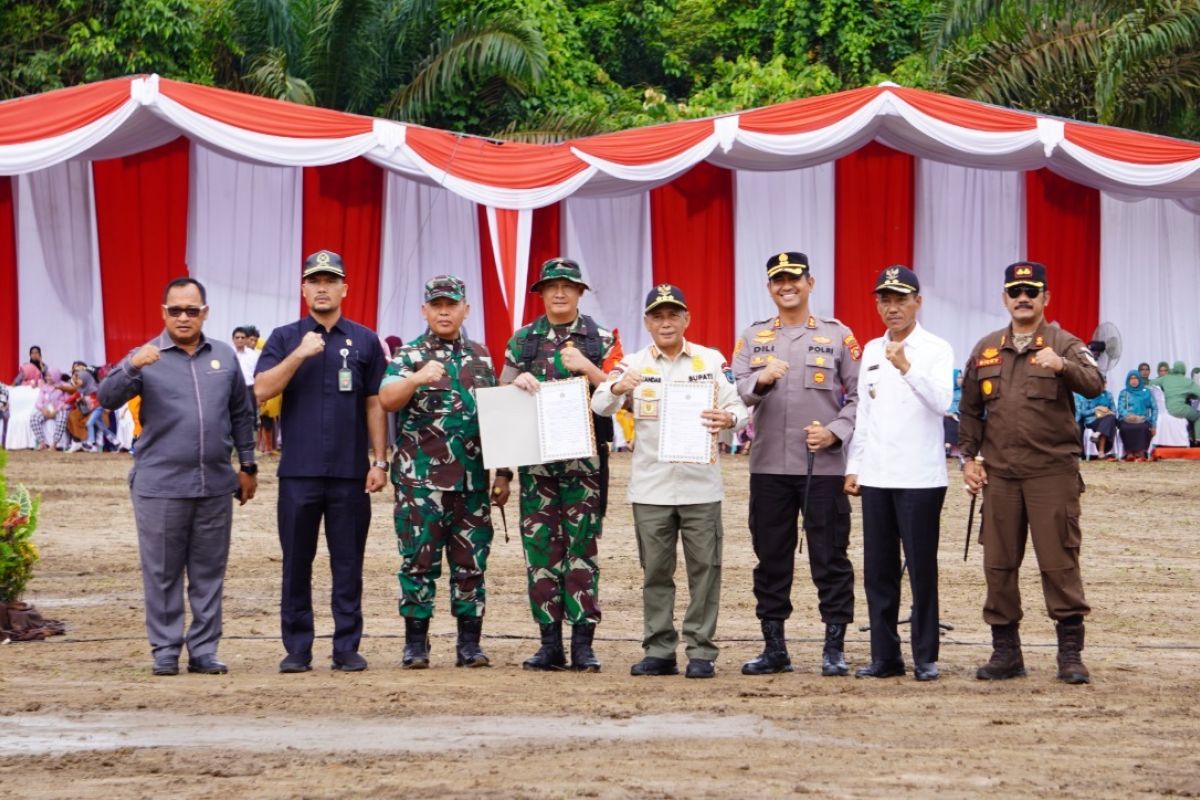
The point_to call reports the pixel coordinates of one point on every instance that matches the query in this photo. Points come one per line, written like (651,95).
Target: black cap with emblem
(1025,273)
(791,263)
(324,261)
(899,279)
(665,295)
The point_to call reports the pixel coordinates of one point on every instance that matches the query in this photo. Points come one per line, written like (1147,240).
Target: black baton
(971,514)
(808,474)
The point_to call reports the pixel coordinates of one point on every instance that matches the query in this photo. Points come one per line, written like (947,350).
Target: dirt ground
(81,717)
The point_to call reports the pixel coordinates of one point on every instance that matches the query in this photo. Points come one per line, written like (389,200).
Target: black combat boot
(1006,661)
(774,656)
(550,655)
(1070,644)
(416,644)
(833,661)
(467,648)
(583,658)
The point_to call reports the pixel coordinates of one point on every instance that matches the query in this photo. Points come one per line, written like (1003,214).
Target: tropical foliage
(18,520)
(548,69)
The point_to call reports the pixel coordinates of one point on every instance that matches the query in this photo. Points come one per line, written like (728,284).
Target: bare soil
(81,716)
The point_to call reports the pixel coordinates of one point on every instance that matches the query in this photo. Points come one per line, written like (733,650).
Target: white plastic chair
(1170,431)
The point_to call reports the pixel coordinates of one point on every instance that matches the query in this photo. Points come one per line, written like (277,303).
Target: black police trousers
(775,505)
(346,508)
(910,518)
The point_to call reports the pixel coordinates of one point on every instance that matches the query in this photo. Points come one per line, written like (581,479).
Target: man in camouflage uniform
(561,502)
(437,468)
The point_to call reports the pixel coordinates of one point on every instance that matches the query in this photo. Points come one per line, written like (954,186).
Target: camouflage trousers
(428,521)
(560,522)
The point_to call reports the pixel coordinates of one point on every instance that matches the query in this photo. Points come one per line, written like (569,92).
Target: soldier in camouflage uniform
(441,485)
(561,502)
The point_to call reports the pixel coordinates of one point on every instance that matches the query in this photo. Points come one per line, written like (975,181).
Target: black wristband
(250,469)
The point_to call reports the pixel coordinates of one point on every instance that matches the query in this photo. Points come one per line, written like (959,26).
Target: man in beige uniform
(800,373)
(1017,412)
(673,501)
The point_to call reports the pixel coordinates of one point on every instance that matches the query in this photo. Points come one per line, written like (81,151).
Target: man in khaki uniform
(1018,414)
(673,501)
(800,373)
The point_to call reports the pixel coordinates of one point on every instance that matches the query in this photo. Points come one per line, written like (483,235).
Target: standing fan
(1106,346)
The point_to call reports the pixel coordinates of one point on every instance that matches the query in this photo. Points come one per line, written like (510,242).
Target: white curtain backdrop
(775,212)
(1149,257)
(969,224)
(58,265)
(427,231)
(610,238)
(244,227)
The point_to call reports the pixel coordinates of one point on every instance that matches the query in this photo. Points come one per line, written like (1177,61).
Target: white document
(682,436)
(513,424)
(565,420)
(508,427)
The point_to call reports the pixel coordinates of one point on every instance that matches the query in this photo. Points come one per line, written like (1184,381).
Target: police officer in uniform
(562,501)
(800,374)
(328,369)
(1018,415)
(437,468)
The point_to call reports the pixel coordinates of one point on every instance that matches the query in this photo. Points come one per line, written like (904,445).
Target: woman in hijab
(950,420)
(1137,417)
(1097,414)
(33,372)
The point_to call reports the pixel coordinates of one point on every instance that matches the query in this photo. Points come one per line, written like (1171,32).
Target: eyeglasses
(1031,292)
(178,311)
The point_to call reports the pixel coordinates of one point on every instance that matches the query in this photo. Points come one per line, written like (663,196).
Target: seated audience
(26,377)
(1179,390)
(950,421)
(1098,415)
(49,418)
(1137,415)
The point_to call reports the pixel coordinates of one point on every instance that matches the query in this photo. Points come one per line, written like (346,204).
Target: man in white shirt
(674,500)
(897,463)
(247,358)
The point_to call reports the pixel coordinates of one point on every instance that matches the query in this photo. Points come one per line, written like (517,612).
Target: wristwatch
(250,469)
(383,465)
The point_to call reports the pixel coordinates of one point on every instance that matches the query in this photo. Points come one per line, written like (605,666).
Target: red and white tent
(117,186)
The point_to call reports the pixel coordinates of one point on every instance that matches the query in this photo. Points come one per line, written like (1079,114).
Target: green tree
(48,45)
(405,59)
(1133,64)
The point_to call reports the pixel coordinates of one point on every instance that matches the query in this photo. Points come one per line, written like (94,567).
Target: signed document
(518,428)
(565,420)
(682,436)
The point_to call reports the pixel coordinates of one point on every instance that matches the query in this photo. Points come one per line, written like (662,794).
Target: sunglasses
(1031,292)
(192,312)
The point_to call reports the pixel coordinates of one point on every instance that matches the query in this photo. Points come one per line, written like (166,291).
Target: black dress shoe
(652,665)
(207,665)
(700,668)
(348,662)
(166,665)
(926,672)
(891,668)
(296,662)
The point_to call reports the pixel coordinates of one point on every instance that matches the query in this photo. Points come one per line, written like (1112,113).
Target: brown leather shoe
(1071,668)
(1006,661)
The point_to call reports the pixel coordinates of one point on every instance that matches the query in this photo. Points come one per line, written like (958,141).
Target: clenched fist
(574,359)
(432,372)
(313,344)
(1046,357)
(145,356)
(628,382)
(772,372)
(894,352)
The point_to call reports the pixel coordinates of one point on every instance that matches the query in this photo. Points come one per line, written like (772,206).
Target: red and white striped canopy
(128,115)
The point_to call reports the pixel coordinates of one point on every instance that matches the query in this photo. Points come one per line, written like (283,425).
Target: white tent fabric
(969,224)
(58,267)
(244,226)
(1149,278)
(777,212)
(610,238)
(427,231)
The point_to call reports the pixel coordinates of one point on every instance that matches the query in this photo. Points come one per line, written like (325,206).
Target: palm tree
(1135,64)
(395,58)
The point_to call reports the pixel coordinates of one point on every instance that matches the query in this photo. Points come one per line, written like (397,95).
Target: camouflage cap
(324,261)
(447,286)
(559,269)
